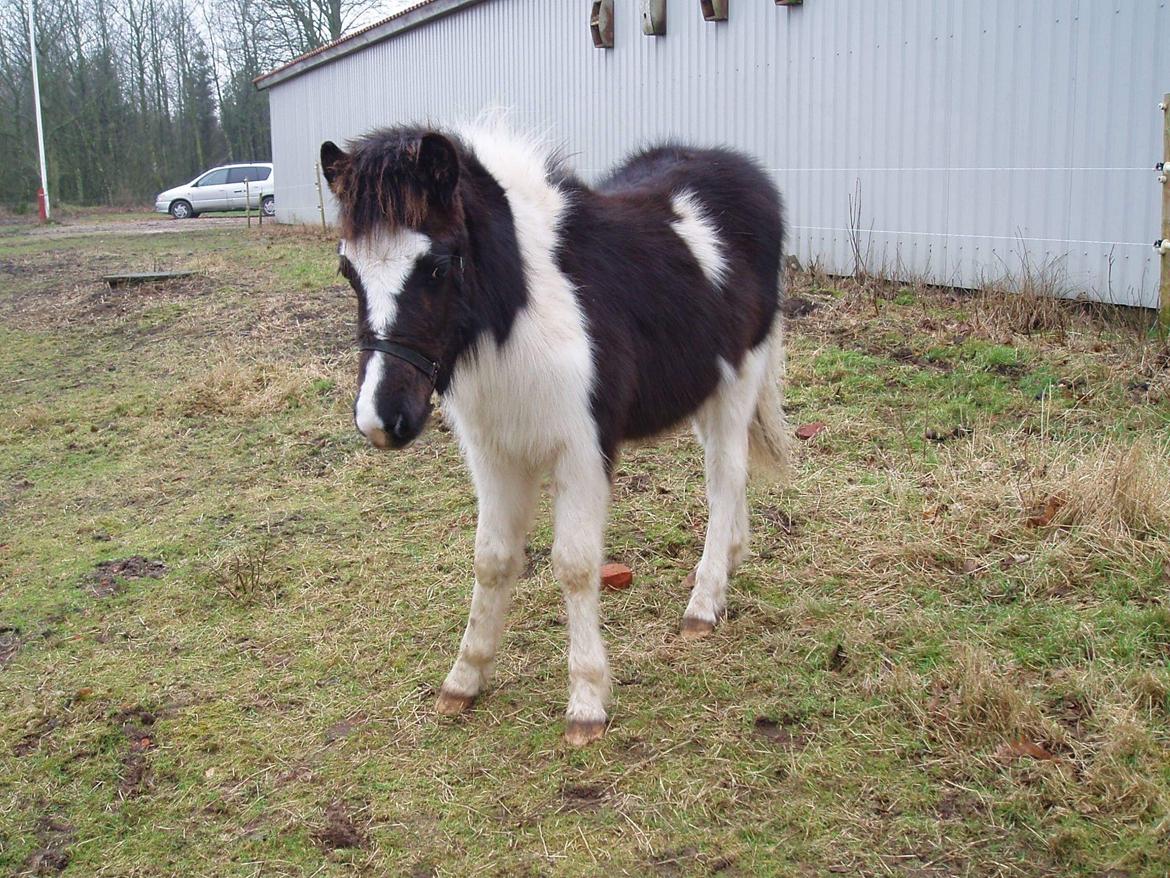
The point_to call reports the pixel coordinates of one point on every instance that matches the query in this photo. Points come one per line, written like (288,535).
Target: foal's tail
(769,440)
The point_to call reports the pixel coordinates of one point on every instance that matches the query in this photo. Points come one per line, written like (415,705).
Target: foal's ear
(438,166)
(333,161)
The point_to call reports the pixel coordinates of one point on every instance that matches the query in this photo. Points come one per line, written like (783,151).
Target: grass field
(223,618)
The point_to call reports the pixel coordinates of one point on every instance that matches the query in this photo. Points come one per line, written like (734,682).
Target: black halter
(425,365)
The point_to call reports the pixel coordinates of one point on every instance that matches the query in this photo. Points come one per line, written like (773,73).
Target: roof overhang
(416,15)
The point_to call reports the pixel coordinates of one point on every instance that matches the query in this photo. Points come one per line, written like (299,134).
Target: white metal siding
(977,133)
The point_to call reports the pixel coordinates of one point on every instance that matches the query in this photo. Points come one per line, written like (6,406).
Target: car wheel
(268,205)
(181,210)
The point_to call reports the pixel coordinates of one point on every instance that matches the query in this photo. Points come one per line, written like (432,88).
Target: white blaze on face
(382,262)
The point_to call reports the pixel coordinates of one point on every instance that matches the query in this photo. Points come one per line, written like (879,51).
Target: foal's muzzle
(403,403)
(401,424)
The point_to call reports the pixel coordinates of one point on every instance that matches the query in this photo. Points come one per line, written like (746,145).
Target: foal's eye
(440,271)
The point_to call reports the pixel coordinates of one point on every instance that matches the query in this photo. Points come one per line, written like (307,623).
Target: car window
(214,178)
(239,175)
(261,173)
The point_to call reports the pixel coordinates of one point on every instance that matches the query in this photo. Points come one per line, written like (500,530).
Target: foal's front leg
(582,497)
(507,497)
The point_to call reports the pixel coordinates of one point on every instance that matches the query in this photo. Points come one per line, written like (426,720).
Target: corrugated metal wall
(977,135)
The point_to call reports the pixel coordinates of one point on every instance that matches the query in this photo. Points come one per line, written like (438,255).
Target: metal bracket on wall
(654,18)
(601,24)
(714,10)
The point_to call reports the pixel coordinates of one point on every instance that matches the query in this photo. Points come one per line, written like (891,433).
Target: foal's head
(402,247)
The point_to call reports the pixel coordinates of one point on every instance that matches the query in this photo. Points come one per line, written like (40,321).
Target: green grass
(265,705)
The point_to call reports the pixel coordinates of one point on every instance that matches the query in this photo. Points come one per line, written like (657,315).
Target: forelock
(379,186)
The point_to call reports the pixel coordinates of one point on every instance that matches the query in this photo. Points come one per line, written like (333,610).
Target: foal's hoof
(579,732)
(695,629)
(451,704)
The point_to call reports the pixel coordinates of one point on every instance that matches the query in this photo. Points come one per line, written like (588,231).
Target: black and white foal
(556,321)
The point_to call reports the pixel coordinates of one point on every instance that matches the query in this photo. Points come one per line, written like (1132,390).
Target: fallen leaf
(1023,749)
(807,431)
(615,577)
(1043,516)
(932,511)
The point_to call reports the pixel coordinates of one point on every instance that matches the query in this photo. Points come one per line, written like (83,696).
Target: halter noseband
(427,366)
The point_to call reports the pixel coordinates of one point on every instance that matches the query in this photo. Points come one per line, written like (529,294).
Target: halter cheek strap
(428,367)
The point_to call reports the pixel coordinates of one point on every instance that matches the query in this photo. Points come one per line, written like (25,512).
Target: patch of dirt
(345,728)
(150,224)
(9,645)
(1009,370)
(137,725)
(339,830)
(955,805)
(1071,712)
(582,797)
(782,519)
(838,658)
(107,301)
(31,740)
(780,731)
(108,576)
(51,856)
(680,861)
(626,483)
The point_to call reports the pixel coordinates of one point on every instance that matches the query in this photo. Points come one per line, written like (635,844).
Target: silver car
(222,188)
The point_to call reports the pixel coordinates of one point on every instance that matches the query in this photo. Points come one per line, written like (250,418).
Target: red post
(41,204)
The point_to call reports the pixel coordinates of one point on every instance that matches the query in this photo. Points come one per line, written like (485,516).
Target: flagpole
(32,51)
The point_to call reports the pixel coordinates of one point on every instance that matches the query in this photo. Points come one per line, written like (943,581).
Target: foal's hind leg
(722,425)
(507,497)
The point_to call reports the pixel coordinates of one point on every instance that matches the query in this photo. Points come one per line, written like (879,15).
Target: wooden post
(1164,295)
(248,202)
(320,195)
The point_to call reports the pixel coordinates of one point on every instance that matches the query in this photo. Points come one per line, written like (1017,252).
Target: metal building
(947,140)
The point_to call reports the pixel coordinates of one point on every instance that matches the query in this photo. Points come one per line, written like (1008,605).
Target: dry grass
(236,384)
(1117,497)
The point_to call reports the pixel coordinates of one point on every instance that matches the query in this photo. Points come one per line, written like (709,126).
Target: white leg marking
(700,234)
(722,424)
(507,497)
(582,498)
